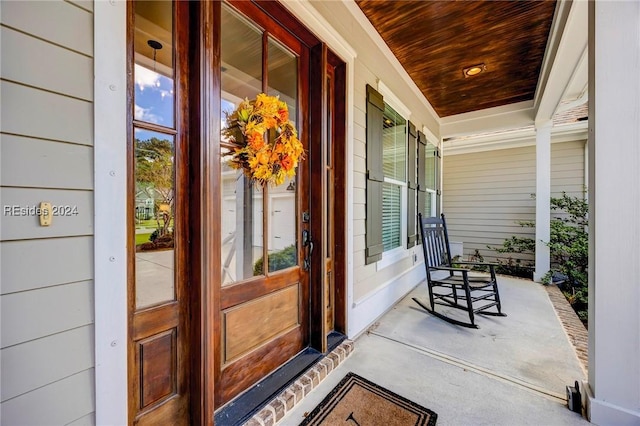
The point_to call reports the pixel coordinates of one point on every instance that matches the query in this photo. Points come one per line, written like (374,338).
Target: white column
(110,207)
(614,213)
(543,193)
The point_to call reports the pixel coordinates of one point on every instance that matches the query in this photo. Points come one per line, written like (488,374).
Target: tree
(154,173)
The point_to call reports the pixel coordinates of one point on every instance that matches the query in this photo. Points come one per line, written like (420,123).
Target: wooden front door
(159,348)
(263,315)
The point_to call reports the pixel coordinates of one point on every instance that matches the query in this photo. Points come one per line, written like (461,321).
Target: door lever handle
(308,249)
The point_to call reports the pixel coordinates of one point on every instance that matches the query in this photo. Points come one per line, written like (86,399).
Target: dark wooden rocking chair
(463,289)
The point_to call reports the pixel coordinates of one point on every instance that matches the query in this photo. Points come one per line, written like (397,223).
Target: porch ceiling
(435,40)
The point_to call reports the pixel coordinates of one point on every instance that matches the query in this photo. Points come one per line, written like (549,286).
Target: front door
(263,315)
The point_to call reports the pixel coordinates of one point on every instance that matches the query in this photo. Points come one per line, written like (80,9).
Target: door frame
(321,58)
(153,319)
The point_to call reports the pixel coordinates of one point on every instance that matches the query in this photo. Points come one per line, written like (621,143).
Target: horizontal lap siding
(486,193)
(46,143)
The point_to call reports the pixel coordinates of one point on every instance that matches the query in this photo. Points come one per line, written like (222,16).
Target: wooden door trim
(340,191)
(205,170)
(317,152)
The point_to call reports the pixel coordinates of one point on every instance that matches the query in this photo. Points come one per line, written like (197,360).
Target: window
(391,179)
(394,166)
(428,176)
(431,175)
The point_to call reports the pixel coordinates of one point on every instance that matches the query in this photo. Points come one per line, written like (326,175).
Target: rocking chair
(463,289)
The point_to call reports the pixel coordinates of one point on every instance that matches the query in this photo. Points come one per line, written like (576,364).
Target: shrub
(569,247)
(277,260)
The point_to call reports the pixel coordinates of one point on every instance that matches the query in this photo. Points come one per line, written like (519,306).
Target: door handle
(308,249)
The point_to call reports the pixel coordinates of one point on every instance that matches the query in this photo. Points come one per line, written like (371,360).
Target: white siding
(486,193)
(46,154)
(375,287)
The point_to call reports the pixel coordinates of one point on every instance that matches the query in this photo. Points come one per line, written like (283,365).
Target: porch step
(275,410)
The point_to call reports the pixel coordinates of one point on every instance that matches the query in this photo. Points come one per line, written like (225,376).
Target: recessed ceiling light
(474,70)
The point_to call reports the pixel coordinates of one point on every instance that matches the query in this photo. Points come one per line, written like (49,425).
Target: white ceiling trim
(306,13)
(564,55)
(515,139)
(503,117)
(577,91)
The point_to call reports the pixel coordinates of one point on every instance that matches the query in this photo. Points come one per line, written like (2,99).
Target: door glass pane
(283,76)
(283,82)
(241,53)
(241,226)
(153,68)
(241,202)
(154,217)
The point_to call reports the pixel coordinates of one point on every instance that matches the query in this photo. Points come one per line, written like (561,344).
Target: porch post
(614,213)
(543,193)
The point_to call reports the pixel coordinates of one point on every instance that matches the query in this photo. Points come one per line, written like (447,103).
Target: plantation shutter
(412,185)
(422,178)
(375,176)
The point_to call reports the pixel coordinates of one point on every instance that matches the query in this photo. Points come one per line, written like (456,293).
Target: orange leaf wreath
(264,160)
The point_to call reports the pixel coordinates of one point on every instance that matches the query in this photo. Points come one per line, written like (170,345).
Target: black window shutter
(422,178)
(412,185)
(375,176)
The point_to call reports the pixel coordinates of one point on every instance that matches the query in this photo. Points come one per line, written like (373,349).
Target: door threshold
(281,390)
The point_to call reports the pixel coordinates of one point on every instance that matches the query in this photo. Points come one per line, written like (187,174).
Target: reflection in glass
(241,226)
(241,51)
(153,69)
(282,226)
(241,202)
(154,217)
(247,208)
(282,68)
(283,75)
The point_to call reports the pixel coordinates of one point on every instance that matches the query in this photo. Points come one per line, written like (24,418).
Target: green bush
(277,260)
(569,247)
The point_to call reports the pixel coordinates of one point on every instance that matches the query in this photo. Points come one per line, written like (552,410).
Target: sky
(154,100)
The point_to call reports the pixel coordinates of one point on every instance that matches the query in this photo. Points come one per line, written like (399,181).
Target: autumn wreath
(270,160)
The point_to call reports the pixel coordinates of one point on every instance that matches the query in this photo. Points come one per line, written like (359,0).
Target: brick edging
(274,411)
(576,332)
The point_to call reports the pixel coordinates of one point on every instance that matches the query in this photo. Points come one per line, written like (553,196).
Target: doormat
(356,401)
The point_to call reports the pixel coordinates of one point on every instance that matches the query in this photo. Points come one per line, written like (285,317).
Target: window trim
(393,101)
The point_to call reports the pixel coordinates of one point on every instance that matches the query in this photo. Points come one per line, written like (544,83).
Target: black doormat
(356,401)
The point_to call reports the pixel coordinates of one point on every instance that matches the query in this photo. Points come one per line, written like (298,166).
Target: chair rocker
(462,289)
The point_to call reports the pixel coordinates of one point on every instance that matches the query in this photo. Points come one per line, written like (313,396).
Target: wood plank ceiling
(436,40)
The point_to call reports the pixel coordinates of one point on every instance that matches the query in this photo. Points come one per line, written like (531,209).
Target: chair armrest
(447,268)
(477,263)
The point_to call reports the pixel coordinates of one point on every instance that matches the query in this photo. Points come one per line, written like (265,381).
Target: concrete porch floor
(511,371)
